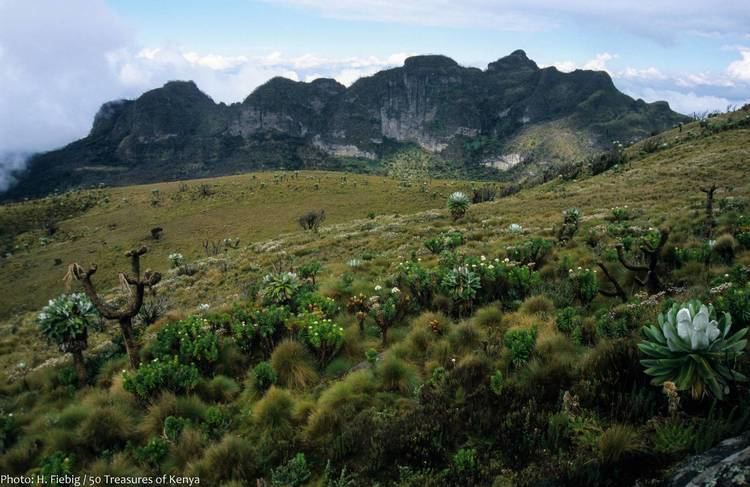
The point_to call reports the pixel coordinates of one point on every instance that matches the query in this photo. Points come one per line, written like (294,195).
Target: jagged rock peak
(514,61)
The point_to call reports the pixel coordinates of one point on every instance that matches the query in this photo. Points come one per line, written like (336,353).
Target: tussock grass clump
(106,428)
(274,413)
(396,375)
(464,337)
(618,442)
(188,447)
(293,365)
(490,316)
(118,465)
(219,389)
(233,458)
(538,305)
(188,407)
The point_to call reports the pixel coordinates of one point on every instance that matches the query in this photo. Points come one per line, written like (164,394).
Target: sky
(60,60)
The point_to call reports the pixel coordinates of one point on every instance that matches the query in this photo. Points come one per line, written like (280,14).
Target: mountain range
(477,123)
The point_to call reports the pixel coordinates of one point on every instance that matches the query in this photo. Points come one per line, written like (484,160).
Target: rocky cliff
(474,120)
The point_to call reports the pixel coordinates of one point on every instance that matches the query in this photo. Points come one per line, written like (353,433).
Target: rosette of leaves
(458,203)
(280,287)
(65,321)
(693,349)
(462,285)
(323,336)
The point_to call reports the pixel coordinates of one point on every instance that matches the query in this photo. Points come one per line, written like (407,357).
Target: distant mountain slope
(474,120)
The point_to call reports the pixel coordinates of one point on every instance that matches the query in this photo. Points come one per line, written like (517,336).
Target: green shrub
(693,350)
(161,375)
(520,342)
(259,329)
(444,241)
(673,438)
(264,377)
(736,302)
(322,336)
(190,340)
(292,474)
(567,320)
(465,460)
(152,453)
(59,463)
(173,427)
(585,284)
(497,382)
(8,431)
(461,284)
(533,251)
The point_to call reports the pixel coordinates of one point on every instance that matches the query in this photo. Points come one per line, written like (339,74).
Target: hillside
(476,122)
(474,350)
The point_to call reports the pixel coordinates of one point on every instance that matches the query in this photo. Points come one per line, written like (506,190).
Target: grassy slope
(659,188)
(655,185)
(249,207)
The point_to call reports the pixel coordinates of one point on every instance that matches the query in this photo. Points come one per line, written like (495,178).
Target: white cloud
(687,103)
(599,63)
(650,73)
(740,69)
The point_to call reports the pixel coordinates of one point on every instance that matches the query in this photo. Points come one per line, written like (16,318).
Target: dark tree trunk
(80,366)
(131,345)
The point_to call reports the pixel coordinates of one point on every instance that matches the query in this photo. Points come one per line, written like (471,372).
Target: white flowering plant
(693,349)
(323,336)
(176,260)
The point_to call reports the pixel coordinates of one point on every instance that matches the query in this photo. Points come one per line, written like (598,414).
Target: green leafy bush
(152,453)
(520,342)
(567,320)
(692,349)
(264,376)
(465,460)
(161,375)
(323,336)
(292,474)
(535,250)
(259,329)
(585,284)
(191,340)
(444,241)
(736,302)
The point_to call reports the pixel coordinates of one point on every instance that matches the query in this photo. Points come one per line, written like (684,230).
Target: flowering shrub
(520,342)
(323,336)
(255,329)
(161,375)
(315,303)
(692,349)
(280,287)
(585,284)
(458,203)
(191,340)
(444,241)
(176,260)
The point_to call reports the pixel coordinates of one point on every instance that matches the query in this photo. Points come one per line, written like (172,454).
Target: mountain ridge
(467,116)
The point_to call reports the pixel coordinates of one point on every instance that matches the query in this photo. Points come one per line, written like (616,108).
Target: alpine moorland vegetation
(421,348)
